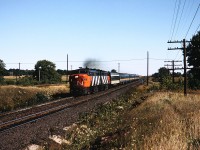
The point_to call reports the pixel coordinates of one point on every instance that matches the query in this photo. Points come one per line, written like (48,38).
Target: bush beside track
(140,119)
(105,127)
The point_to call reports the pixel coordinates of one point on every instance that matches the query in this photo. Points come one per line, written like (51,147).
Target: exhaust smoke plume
(92,63)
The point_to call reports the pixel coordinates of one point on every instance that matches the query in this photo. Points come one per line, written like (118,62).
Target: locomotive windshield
(83,71)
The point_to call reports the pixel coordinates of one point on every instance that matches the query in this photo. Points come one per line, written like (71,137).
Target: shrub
(37,99)
(2,80)
(167,84)
(25,81)
(10,82)
(194,83)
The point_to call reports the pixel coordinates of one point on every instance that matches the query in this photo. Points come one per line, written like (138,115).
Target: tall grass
(165,121)
(106,126)
(14,97)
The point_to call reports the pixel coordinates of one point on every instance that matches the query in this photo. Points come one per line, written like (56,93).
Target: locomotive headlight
(76,77)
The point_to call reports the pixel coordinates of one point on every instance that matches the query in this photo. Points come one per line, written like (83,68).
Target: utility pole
(184,60)
(185,67)
(39,73)
(19,70)
(118,67)
(147,68)
(173,67)
(67,77)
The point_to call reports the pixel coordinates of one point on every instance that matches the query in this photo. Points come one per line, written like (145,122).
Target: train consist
(85,80)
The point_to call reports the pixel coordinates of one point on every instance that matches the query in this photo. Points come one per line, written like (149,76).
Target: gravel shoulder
(39,130)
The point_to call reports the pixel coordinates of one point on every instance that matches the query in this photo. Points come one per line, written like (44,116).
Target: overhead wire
(188,12)
(177,13)
(176,18)
(197,29)
(172,25)
(183,7)
(192,20)
(117,60)
(173,19)
(180,17)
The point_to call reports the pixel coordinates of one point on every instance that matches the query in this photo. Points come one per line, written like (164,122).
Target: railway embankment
(139,120)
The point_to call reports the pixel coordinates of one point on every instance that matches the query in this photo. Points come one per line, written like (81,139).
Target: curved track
(16,118)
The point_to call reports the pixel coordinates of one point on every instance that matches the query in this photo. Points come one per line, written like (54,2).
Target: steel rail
(35,116)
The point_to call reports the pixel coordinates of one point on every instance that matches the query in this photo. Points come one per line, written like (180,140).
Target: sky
(112,32)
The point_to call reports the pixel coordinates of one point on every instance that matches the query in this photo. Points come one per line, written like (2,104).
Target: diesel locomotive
(84,81)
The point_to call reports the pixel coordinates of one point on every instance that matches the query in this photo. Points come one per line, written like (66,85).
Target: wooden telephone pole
(184,60)
(147,68)
(67,77)
(173,67)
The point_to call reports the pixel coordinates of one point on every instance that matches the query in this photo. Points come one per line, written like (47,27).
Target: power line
(180,18)
(190,24)
(179,2)
(119,60)
(192,20)
(187,13)
(173,18)
(105,60)
(197,29)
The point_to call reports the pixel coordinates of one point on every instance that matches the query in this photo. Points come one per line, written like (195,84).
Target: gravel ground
(31,133)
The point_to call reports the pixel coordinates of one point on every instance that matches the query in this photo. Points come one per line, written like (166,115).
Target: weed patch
(107,126)
(165,121)
(15,97)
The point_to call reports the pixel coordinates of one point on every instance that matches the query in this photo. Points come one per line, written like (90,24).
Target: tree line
(44,72)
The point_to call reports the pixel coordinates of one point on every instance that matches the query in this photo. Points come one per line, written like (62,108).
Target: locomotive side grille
(98,80)
(104,79)
(95,80)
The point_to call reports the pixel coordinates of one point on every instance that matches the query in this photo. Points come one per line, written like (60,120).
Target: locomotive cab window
(94,73)
(83,71)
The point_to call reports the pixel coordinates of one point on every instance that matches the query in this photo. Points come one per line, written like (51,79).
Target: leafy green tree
(193,58)
(62,72)
(155,77)
(163,73)
(45,71)
(2,67)
(165,79)
(2,71)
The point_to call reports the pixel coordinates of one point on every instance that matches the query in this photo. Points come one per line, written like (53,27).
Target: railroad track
(17,118)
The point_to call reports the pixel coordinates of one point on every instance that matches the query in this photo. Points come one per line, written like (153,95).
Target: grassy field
(13,78)
(167,121)
(14,97)
(164,121)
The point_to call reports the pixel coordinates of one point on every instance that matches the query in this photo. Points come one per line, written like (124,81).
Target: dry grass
(63,77)
(164,121)
(13,96)
(167,121)
(10,77)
